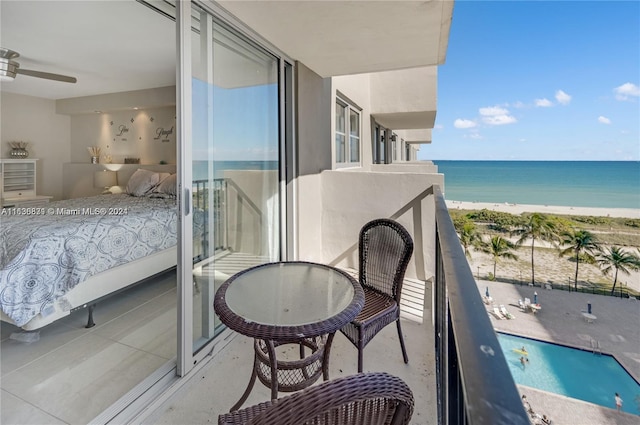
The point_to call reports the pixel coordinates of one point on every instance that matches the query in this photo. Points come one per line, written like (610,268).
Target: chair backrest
(385,248)
(366,398)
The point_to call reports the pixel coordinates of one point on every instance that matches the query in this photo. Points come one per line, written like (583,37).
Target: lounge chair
(497,313)
(521,304)
(506,314)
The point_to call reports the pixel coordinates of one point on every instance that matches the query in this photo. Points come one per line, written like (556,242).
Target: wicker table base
(288,375)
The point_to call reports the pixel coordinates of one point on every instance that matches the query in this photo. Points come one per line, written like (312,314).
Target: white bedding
(46,254)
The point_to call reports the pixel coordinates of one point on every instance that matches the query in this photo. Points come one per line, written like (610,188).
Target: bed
(74,252)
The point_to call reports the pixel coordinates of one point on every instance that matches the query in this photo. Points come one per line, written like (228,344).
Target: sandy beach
(549,209)
(551,268)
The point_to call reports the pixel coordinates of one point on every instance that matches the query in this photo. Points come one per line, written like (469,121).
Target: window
(347,134)
(380,145)
(394,156)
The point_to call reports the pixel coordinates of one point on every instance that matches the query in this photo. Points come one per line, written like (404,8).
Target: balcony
(456,369)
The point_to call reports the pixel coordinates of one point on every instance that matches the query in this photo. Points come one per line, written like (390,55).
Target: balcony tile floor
(220,384)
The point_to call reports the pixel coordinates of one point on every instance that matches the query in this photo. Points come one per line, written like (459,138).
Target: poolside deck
(560,320)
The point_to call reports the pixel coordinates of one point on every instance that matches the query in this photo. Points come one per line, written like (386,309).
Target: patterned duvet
(46,254)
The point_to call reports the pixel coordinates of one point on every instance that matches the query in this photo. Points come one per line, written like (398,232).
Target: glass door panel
(235,167)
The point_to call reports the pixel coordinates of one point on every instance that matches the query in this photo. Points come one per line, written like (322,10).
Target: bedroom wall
(34,120)
(139,124)
(148,134)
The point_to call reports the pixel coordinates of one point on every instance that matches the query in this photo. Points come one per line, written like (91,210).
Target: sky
(539,80)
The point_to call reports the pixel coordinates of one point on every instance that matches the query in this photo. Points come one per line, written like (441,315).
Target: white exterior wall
(334,204)
(34,120)
(351,199)
(397,91)
(422,167)
(313,136)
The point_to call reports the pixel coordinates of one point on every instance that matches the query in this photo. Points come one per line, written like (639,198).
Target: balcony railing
(211,221)
(474,383)
(214,202)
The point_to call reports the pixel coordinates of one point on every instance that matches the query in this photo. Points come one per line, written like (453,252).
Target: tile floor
(221,383)
(72,374)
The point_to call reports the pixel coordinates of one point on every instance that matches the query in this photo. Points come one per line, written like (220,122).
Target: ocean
(600,184)
(200,168)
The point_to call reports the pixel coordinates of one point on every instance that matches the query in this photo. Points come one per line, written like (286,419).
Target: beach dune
(547,209)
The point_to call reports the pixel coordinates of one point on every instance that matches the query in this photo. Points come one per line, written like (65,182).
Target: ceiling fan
(9,68)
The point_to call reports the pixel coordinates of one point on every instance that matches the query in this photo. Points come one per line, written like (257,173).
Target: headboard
(77,179)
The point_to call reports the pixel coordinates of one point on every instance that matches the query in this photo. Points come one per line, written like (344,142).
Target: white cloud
(604,120)
(562,97)
(625,91)
(493,110)
(475,135)
(461,123)
(499,119)
(543,103)
(518,104)
(496,115)
(438,127)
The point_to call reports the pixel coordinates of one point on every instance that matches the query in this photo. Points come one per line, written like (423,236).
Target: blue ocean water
(200,168)
(570,372)
(602,184)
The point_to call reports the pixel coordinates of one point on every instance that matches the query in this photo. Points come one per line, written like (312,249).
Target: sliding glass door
(235,165)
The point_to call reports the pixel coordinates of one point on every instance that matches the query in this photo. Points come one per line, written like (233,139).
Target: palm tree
(469,236)
(620,260)
(536,226)
(580,241)
(499,247)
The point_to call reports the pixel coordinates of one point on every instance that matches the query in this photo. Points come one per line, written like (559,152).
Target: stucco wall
(34,120)
(351,199)
(313,136)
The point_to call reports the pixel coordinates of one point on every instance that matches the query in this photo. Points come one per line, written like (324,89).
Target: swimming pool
(570,372)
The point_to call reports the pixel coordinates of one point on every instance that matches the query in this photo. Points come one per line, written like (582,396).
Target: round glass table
(283,303)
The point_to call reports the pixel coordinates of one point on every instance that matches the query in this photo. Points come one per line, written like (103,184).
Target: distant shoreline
(518,209)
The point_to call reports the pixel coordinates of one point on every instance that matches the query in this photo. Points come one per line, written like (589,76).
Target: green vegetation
(536,226)
(469,236)
(587,240)
(583,244)
(499,248)
(615,258)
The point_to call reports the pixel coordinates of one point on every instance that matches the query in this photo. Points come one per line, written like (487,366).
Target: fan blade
(47,75)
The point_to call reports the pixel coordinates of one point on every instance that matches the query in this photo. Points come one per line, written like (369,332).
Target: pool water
(570,372)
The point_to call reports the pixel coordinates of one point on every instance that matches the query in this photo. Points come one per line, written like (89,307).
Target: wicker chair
(385,250)
(366,398)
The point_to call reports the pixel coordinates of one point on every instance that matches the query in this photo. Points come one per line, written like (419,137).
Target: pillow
(163,176)
(168,186)
(142,182)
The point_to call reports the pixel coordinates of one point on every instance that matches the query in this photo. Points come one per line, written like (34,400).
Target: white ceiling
(109,46)
(352,37)
(121,45)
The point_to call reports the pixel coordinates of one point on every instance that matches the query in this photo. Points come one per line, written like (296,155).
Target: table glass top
(289,294)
